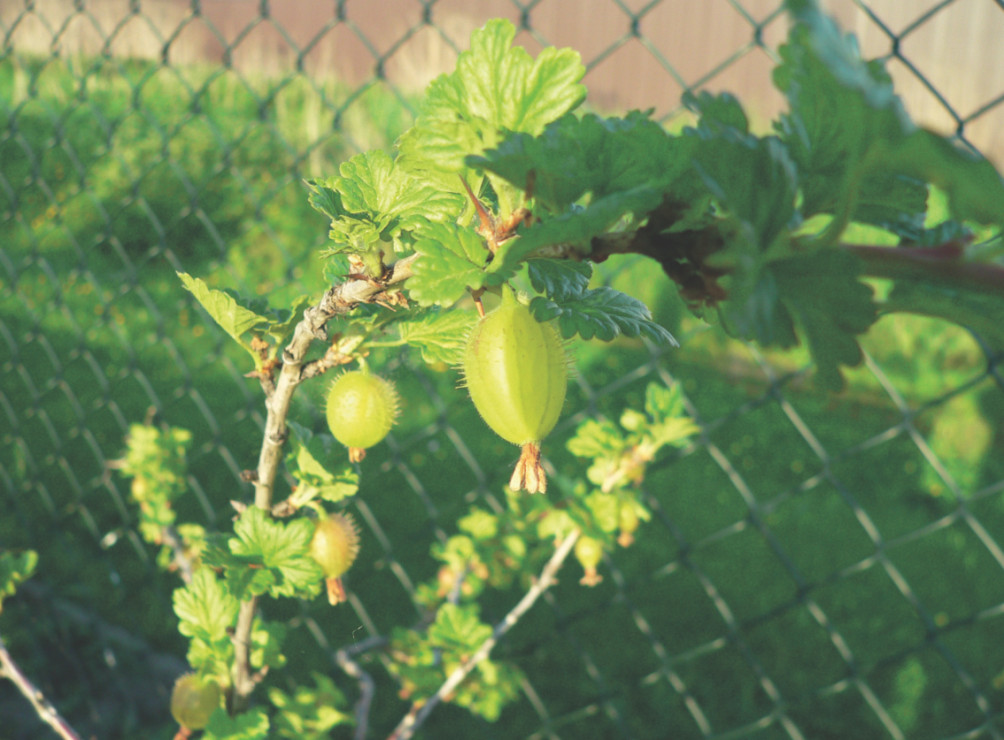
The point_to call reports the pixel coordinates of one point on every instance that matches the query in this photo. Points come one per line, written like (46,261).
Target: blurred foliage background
(817,567)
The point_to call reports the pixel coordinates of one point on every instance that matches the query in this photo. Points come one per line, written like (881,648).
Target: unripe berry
(589,552)
(334,547)
(517,375)
(193,700)
(361,409)
(627,522)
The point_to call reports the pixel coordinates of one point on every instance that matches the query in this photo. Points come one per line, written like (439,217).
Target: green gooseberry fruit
(589,552)
(627,523)
(517,374)
(193,700)
(334,547)
(361,409)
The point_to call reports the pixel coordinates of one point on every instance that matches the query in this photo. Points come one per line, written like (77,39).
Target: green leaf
(278,549)
(718,112)
(603,313)
(495,87)
(374,201)
(975,189)
(577,226)
(282,327)
(204,608)
(235,319)
(440,335)
(979,312)
(249,725)
(458,628)
(311,712)
(849,134)
(822,294)
(663,403)
(574,156)
(266,644)
(15,568)
(452,261)
(317,462)
(594,439)
(754,182)
(604,508)
(559,279)
(479,524)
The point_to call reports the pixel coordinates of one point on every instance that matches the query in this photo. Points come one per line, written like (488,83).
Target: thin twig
(367,687)
(43,707)
(419,712)
(337,300)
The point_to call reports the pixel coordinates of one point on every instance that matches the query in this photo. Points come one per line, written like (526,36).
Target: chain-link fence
(816,567)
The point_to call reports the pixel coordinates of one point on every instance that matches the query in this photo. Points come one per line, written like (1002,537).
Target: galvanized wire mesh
(816,568)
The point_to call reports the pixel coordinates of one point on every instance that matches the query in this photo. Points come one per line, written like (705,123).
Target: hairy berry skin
(193,700)
(334,547)
(517,375)
(361,409)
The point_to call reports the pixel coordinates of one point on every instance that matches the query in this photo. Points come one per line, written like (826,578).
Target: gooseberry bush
(473,243)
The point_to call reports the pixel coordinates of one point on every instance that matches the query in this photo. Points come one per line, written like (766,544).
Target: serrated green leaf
(440,335)
(849,134)
(718,112)
(458,628)
(249,725)
(577,226)
(279,548)
(452,260)
(559,279)
(234,318)
(204,608)
(495,87)
(574,156)
(754,182)
(663,403)
(594,439)
(831,306)
(373,201)
(975,189)
(603,313)
(317,463)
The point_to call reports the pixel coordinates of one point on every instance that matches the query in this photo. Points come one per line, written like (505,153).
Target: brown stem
(337,300)
(940,265)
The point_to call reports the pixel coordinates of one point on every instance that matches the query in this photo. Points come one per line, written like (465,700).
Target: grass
(780,543)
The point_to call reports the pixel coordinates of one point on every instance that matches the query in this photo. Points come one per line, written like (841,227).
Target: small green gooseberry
(589,552)
(361,409)
(193,700)
(334,547)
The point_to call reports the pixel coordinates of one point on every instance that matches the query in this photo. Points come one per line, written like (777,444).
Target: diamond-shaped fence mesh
(815,567)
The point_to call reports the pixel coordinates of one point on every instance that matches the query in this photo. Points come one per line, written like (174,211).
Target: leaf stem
(43,707)
(420,711)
